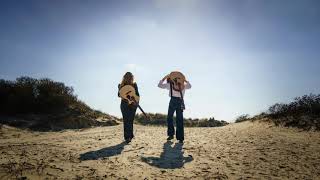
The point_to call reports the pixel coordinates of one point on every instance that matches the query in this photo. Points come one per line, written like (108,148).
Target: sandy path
(237,151)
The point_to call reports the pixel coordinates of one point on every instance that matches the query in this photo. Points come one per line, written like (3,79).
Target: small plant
(41,165)
(78,177)
(14,169)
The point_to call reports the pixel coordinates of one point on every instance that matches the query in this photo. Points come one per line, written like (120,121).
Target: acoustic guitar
(177,79)
(128,93)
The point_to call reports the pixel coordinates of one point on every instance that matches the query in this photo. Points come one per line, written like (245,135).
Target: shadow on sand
(170,158)
(102,153)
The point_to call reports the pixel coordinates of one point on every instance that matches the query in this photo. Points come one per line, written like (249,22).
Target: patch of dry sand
(237,151)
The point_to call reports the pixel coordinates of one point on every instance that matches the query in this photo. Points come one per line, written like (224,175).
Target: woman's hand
(165,77)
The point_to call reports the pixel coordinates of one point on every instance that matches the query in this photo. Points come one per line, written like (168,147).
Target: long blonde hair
(128,79)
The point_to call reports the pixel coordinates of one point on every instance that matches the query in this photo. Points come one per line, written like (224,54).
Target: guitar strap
(182,103)
(183,107)
(170,89)
(181,94)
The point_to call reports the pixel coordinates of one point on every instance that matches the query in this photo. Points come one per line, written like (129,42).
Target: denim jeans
(175,106)
(128,113)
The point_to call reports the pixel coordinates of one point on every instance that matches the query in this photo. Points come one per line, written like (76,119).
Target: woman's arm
(136,89)
(162,85)
(118,90)
(188,85)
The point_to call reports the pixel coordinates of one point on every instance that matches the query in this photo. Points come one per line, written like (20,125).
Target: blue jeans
(128,113)
(175,106)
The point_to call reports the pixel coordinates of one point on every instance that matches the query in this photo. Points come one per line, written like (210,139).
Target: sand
(256,150)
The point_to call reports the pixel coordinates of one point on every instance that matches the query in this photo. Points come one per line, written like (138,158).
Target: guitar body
(177,80)
(128,93)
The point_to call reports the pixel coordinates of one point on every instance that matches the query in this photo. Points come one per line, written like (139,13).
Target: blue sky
(241,56)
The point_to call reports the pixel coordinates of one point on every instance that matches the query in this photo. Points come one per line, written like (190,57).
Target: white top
(174,93)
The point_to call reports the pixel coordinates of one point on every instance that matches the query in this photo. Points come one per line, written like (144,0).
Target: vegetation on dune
(161,120)
(241,118)
(43,104)
(303,112)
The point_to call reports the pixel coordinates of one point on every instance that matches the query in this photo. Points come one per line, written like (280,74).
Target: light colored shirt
(174,93)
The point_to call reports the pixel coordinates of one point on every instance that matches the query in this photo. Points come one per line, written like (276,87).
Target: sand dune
(237,151)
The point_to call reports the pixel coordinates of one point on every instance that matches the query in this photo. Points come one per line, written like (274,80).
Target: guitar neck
(143,112)
(140,108)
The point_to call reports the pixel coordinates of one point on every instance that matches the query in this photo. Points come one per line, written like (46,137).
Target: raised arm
(188,85)
(163,85)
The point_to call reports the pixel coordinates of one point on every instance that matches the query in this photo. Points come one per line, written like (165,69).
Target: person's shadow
(102,153)
(170,158)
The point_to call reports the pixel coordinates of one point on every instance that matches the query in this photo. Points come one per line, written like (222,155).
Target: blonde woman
(128,111)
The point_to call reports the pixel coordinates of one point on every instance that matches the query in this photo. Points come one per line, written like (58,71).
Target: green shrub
(244,117)
(43,104)
(29,95)
(305,105)
(158,119)
(303,112)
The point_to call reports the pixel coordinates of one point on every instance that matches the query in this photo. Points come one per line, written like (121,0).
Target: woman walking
(176,104)
(128,110)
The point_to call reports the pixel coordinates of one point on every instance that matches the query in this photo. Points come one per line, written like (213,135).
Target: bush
(210,123)
(244,117)
(53,96)
(305,105)
(262,115)
(46,104)
(303,112)
(29,95)
(155,119)
(158,119)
